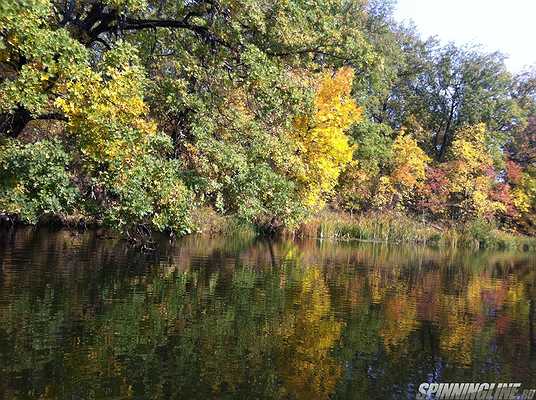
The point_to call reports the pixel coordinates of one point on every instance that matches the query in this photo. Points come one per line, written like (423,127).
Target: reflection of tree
(400,320)
(485,302)
(456,340)
(399,306)
(307,336)
(532,334)
(257,320)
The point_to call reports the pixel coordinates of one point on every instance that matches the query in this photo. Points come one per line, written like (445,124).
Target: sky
(505,25)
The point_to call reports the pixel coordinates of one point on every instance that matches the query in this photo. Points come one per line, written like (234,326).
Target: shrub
(146,189)
(34,180)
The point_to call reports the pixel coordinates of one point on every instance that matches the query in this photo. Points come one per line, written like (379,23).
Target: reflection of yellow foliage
(475,288)
(458,343)
(377,291)
(400,320)
(320,141)
(308,335)
(291,252)
(457,338)
(465,314)
(515,293)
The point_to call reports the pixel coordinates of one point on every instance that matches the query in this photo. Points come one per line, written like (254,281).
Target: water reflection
(82,317)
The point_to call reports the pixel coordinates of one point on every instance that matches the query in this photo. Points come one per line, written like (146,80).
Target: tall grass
(399,228)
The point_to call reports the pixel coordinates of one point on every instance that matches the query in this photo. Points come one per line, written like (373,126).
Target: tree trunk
(447,136)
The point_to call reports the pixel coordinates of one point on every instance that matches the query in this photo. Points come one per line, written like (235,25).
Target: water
(83,317)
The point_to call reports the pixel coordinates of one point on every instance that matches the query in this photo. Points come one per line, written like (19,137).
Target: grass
(387,227)
(399,228)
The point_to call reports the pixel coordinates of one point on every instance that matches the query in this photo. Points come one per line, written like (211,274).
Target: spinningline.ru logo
(478,391)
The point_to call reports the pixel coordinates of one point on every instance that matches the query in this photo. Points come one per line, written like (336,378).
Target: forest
(157,115)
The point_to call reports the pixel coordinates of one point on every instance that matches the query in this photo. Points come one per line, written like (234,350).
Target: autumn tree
(409,165)
(320,142)
(471,174)
(118,155)
(148,109)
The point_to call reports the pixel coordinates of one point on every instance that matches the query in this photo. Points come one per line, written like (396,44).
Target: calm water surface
(225,318)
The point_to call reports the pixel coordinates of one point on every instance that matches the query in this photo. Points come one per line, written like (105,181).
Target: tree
(249,107)
(441,87)
(409,165)
(521,145)
(471,176)
(34,180)
(35,59)
(227,80)
(56,37)
(320,142)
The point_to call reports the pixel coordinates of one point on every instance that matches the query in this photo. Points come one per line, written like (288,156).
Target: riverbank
(373,227)
(399,228)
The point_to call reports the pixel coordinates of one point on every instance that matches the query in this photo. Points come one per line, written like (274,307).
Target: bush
(34,180)
(146,189)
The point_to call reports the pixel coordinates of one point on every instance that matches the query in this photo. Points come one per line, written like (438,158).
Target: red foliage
(514,171)
(489,171)
(502,193)
(434,194)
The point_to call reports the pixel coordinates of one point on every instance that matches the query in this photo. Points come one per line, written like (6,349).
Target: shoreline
(380,228)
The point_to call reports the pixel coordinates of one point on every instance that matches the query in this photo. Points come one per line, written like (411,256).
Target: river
(87,317)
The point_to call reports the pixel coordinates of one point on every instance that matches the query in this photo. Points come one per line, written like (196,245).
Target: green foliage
(237,163)
(373,144)
(481,232)
(34,180)
(145,190)
(36,57)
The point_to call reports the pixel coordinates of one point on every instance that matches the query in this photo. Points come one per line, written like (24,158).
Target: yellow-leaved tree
(409,163)
(524,199)
(101,106)
(320,141)
(409,167)
(407,173)
(471,175)
(130,176)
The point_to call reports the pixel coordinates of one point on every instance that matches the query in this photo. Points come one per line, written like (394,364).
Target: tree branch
(52,116)
(140,24)
(314,50)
